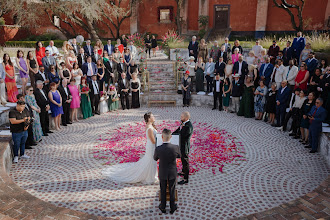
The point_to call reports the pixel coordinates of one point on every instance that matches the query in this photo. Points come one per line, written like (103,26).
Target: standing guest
(64,72)
(76,74)
(266,71)
(236,45)
(251,59)
(124,40)
(135,87)
(3,99)
(257,49)
(217,92)
(43,77)
(85,104)
(262,58)
(214,52)
(253,73)
(55,101)
(271,103)
(199,69)
(311,63)
(122,68)
(186,86)
(109,48)
(302,77)
(235,55)
(75,99)
(100,73)
(48,61)
(304,55)
(190,66)
(229,70)
(220,67)
(304,124)
(96,55)
(241,67)
(294,97)
(123,88)
(100,47)
(88,48)
(70,60)
(296,114)
(112,68)
(246,103)
(315,82)
(117,55)
(40,52)
(19,124)
(227,45)
(10,81)
(222,53)
(153,45)
(325,91)
(103,106)
(67,99)
(52,49)
(53,75)
(278,73)
(236,93)
(33,67)
(133,50)
(316,116)
(227,86)
(290,74)
(287,53)
(66,49)
(89,69)
(298,45)
(279,56)
(108,72)
(202,49)
(209,74)
(36,126)
(120,47)
(193,47)
(76,48)
(94,94)
(273,52)
(127,58)
(81,57)
(113,101)
(147,42)
(23,69)
(42,101)
(260,99)
(323,65)
(282,98)
(133,68)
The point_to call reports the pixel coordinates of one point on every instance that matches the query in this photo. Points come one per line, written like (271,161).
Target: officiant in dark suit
(185,131)
(123,89)
(167,154)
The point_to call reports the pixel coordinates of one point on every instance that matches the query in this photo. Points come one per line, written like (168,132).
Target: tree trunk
(92,31)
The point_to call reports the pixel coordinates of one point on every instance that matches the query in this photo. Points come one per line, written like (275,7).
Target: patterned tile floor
(277,169)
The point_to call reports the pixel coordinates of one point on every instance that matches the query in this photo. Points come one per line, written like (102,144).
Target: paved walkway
(276,169)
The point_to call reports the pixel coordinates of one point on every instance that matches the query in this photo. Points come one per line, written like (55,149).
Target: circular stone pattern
(274,169)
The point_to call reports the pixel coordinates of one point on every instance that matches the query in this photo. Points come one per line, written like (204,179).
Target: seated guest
(246,103)
(316,116)
(217,92)
(226,90)
(236,93)
(220,67)
(135,88)
(94,94)
(81,57)
(19,119)
(85,105)
(123,89)
(48,61)
(88,48)
(241,68)
(66,100)
(209,74)
(266,71)
(222,53)
(304,123)
(75,47)
(302,77)
(89,68)
(53,51)
(311,63)
(282,98)
(109,47)
(186,87)
(271,103)
(260,99)
(55,102)
(113,101)
(42,76)
(287,53)
(290,74)
(42,101)
(278,73)
(193,47)
(273,52)
(199,69)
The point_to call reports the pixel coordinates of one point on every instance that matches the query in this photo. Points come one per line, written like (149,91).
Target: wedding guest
(154,45)
(304,124)
(315,82)
(55,101)
(247,101)
(304,55)
(186,86)
(70,60)
(323,65)
(127,58)
(67,99)
(48,61)
(282,98)
(124,40)
(273,52)
(64,72)
(43,77)
(316,117)
(66,48)
(266,71)
(76,48)
(217,92)
(18,119)
(88,48)
(43,102)
(109,48)
(94,94)
(311,63)
(81,57)
(23,69)
(76,74)
(236,93)
(220,67)
(290,74)
(33,67)
(229,70)
(236,45)
(271,104)
(227,45)
(235,55)
(193,47)
(209,74)
(278,73)
(85,104)
(202,49)
(100,47)
(117,55)
(251,59)
(298,45)
(3,99)
(133,68)
(122,68)
(120,47)
(123,88)
(53,75)
(199,69)
(296,114)
(100,74)
(257,49)
(214,52)
(262,58)
(40,52)
(227,86)
(135,87)
(103,105)
(190,66)
(133,50)
(260,99)
(222,53)
(36,125)
(108,71)
(113,101)
(147,42)
(75,99)
(287,53)
(325,91)
(96,55)
(253,73)
(241,67)
(52,49)
(10,80)
(288,115)
(89,69)
(302,77)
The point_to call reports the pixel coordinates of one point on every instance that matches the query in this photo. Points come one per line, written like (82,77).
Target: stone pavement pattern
(278,169)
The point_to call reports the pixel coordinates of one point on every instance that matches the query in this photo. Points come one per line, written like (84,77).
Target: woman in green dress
(199,68)
(85,104)
(226,90)
(113,101)
(246,108)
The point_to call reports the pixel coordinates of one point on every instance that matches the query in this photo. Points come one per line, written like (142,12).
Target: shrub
(2,21)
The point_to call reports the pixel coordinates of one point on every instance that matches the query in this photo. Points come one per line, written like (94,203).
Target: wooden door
(221,16)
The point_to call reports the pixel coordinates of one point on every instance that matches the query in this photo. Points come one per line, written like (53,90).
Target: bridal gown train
(143,171)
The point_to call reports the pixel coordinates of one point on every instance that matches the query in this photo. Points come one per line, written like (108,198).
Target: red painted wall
(192,20)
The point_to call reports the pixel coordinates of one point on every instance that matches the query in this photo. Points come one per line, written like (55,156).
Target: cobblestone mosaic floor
(275,169)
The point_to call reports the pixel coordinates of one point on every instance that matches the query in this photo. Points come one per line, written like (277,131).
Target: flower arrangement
(138,39)
(171,36)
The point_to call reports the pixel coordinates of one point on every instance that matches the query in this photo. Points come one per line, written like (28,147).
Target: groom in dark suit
(167,154)
(185,131)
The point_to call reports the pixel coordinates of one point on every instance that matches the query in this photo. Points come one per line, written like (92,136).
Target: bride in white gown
(144,170)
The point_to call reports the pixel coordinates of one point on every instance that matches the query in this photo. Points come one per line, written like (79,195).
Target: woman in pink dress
(75,103)
(235,55)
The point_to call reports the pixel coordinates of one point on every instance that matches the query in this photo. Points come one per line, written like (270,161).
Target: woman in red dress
(120,46)
(302,77)
(10,81)
(40,52)
(100,47)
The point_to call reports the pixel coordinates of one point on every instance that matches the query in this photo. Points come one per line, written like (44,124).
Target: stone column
(184,15)
(134,26)
(203,9)
(261,18)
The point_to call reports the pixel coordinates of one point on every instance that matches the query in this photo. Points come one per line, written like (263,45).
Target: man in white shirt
(217,92)
(257,48)
(132,48)
(278,73)
(53,51)
(3,100)
(290,74)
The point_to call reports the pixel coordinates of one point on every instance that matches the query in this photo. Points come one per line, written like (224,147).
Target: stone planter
(7,32)
(183,53)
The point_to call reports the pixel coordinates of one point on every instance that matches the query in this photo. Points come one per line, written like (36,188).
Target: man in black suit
(121,67)
(241,68)
(185,131)
(220,67)
(66,100)
(94,94)
(193,48)
(81,57)
(287,53)
(167,154)
(223,53)
(42,76)
(43,102)
(123,89)
(76,48)
(88,48)
(282,100)
(217,92)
